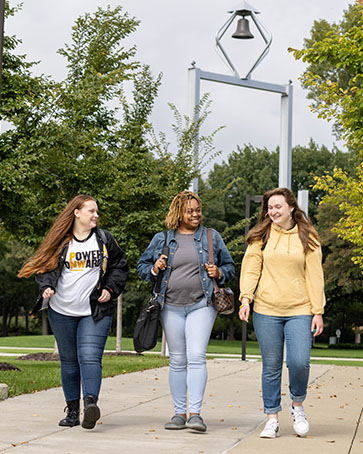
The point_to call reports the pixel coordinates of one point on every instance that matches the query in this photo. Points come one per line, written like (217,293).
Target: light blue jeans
(271,334)
(187,330)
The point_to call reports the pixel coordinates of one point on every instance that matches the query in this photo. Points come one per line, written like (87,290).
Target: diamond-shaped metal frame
(264,32)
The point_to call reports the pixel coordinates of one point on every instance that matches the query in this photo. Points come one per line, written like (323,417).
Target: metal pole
(244,340)
(194,99)
(119,325)
(303,200)
(2,19)
(257,199)
(44,323)
(244,324)
(285,162)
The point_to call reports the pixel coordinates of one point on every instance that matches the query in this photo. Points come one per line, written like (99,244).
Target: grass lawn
(215,346)
(38,375)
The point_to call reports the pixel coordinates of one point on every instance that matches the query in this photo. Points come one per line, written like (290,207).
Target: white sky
(174,33)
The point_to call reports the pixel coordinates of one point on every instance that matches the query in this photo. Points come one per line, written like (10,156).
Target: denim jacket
(222,259)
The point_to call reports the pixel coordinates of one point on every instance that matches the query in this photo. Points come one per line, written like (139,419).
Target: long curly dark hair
(308,235)
(178,207)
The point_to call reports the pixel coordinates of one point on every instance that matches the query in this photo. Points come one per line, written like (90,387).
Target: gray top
(184,287)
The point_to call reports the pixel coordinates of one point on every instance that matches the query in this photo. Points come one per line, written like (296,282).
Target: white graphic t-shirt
(79,277)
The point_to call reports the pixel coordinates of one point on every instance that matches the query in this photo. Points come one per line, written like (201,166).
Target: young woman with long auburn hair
(80,269)
(282,272)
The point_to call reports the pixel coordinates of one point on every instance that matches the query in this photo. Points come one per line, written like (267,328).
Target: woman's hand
(48,292)
(317,325)
(160,264)
(244,311)
(105,296)
(213,271)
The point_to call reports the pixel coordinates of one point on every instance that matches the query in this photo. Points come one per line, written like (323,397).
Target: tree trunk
(55,351)
(44,323)
(231,330)
(357,334)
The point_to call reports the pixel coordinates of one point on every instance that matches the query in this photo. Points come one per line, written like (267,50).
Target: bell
(243,30)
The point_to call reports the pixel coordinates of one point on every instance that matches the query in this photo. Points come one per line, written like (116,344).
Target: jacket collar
(197,234)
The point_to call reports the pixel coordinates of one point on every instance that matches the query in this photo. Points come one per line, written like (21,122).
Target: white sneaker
(301,425)
(271,430)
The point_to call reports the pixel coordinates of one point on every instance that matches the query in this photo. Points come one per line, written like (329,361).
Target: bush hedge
(346,346)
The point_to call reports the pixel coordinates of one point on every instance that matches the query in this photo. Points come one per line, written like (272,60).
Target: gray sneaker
(195,422)
(177,422)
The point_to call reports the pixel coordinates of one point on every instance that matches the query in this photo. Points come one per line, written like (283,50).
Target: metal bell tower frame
(195,75)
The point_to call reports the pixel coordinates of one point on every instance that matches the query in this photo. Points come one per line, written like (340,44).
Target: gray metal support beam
(194,99)
(195,75)
(285,161)
(246,83)
(303,200)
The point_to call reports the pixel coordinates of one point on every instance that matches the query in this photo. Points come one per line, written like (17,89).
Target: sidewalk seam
(355,432)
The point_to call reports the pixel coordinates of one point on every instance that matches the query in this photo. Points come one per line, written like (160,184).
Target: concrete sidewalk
(136,406)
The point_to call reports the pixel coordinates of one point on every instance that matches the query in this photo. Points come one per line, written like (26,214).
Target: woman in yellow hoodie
(282,272)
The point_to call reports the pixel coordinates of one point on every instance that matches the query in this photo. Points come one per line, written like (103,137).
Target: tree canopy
(87,134)
(338,95)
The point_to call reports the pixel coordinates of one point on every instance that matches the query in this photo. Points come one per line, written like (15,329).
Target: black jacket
(113,275)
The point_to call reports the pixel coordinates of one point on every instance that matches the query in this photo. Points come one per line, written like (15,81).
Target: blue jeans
(187,330)
(81,342)
(271,333)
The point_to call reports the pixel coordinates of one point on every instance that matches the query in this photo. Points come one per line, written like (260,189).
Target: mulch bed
(55,357)
(7,366)
(40,357)
(52,357)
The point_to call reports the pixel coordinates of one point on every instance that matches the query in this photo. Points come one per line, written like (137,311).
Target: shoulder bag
(223,298)
(146,328)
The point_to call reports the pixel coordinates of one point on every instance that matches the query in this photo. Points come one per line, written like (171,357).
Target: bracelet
(244,305)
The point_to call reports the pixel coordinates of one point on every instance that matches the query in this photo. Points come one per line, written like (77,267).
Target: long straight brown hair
(47,255)
(308,235)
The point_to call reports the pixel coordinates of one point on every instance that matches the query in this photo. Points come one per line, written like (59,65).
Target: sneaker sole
(91,415)
(174,427)
(77,423)
(301,435)
(271,438)
(197,428)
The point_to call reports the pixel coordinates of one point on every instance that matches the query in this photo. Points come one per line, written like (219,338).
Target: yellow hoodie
(282,279)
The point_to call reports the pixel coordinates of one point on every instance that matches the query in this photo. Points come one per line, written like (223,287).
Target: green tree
(67,138)
(341,101)
(343,279)
(253,171)
(15,294)
(327,70)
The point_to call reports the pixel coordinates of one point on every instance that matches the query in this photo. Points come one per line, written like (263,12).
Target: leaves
(335,81)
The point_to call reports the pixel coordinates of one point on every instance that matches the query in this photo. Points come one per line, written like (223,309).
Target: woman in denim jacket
(187,314)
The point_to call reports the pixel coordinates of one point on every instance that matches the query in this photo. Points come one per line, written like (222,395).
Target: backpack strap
(210,246)
(211,256)
(165,251)
(102,235)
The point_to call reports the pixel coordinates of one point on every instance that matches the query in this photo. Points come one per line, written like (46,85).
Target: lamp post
(195,75)
(249,199)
